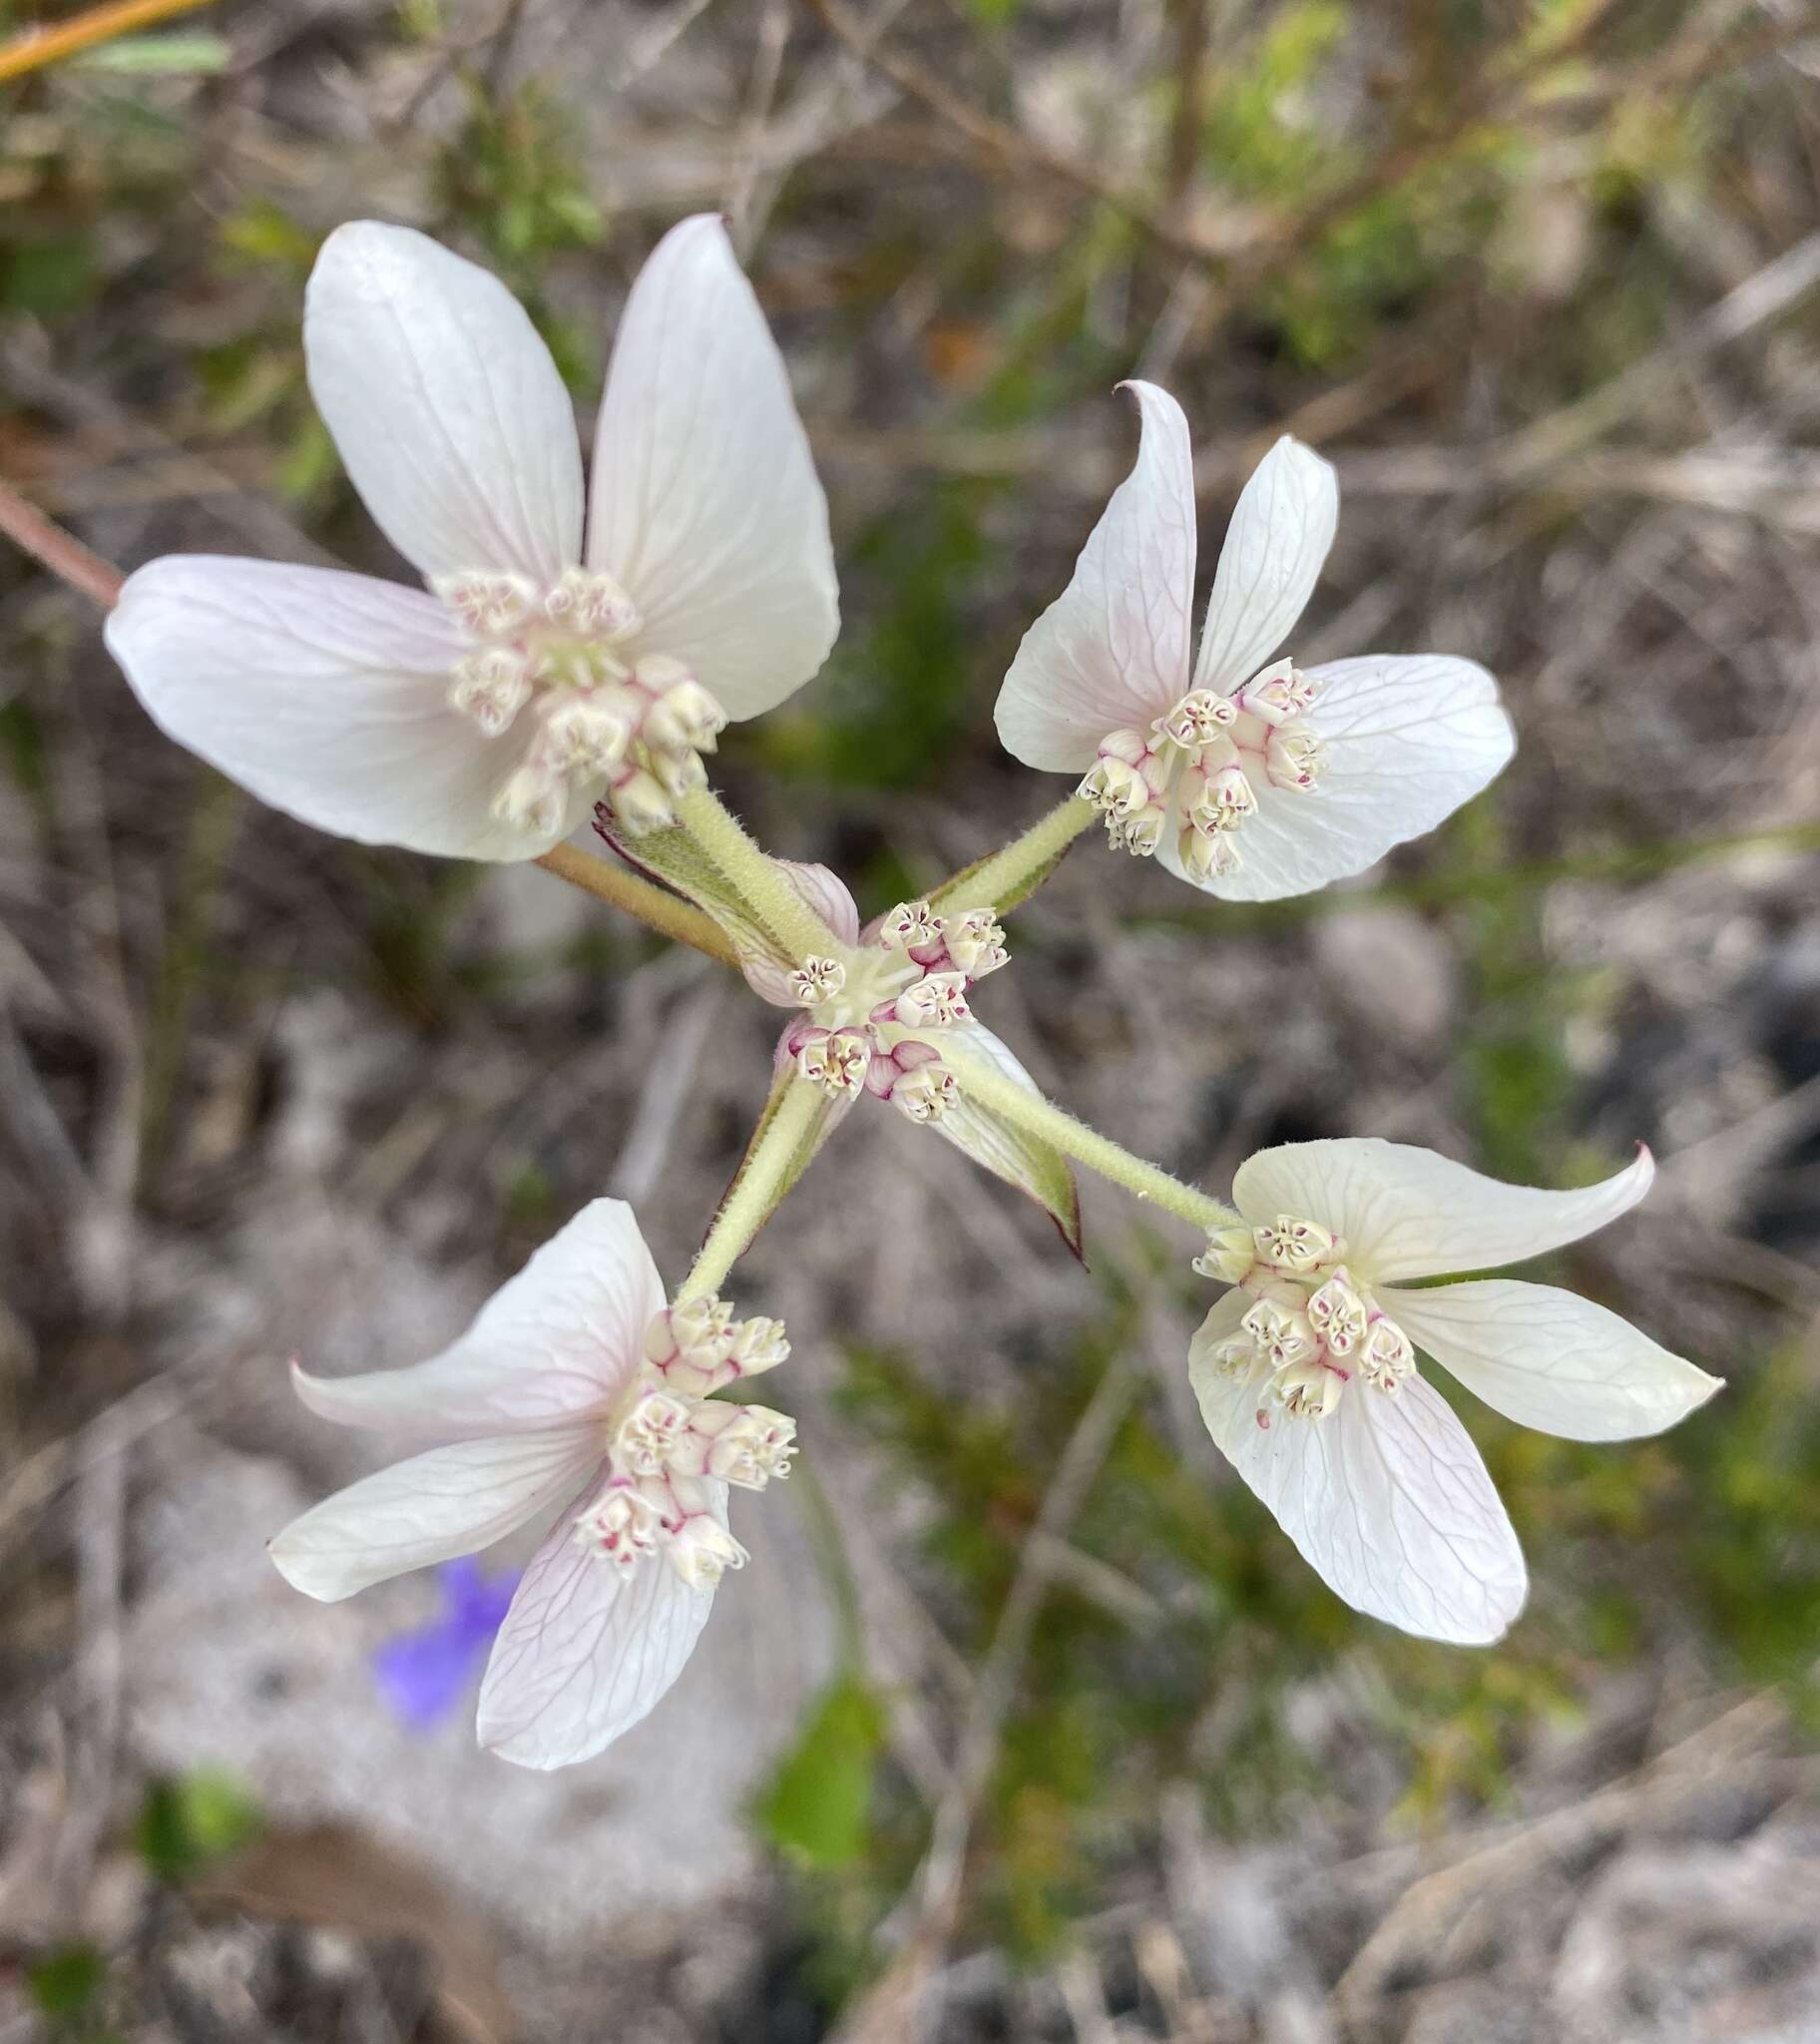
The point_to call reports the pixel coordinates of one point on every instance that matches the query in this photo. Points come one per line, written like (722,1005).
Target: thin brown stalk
(34,48)
(59,551)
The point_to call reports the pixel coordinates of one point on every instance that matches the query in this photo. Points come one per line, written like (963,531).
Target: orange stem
(37,47)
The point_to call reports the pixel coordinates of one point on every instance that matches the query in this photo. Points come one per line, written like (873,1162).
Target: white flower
(1308,1379)
(575,1392)
(1250,782)
(483,718)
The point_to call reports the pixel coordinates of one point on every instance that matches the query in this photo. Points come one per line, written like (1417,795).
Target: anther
(1196,719)
(490,687)
(817,980)
(487,604)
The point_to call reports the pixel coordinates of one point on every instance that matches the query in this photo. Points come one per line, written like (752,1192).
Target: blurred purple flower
(423,1674)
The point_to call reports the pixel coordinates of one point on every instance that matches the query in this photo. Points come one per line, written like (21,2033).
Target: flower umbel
(577,1389)
(1307,1372)
(1248,781)
(546,667)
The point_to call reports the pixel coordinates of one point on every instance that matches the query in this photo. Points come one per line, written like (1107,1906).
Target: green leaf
(194,1819)
(200,55)
(66,1981)
(817,1808)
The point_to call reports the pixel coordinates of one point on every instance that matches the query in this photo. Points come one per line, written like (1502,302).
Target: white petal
(1282,526)
(449,414)
(706,502)
(1408,740)
(1405,1213)
(585,1652)
(1385,1498)
(1111,652)
(325,695)
(451,1501)
(1549,1359)
(559,1340)
(1026,1162)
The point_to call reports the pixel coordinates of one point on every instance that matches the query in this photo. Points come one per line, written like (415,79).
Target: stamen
(1229,1254)
(639,801)
(910,925)
(531,801)
(586,601)
(925,1093)
(1278,693)
(1337,1315)
(1386,1357)
(701,1550)
(487,604)
(623,1527)
(836,1060)
(490,687)
(684,717)
(1295,757)
(1294,1245)
(1197,719)
(583,737)
(1207,855)
(649,1434)
(975,942)
(933,1002)
(817,980)
(1285,1336)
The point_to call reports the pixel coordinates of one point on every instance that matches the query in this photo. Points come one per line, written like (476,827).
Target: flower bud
(1295,757)
(1278,695)
(1228,1255)
(684,717)
(701,1550)
(641,804)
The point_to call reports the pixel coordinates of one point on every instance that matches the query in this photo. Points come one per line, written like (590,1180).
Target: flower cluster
(566,659)
(579,1391)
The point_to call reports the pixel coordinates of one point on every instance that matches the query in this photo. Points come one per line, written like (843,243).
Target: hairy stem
(1013,874)
(792,923)
(1029,1110)
(651,905)
(770,1164)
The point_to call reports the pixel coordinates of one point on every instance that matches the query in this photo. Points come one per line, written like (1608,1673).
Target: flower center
(1315,1325)
(869,1014)
(560,659)
(668,1436)
(1194,772)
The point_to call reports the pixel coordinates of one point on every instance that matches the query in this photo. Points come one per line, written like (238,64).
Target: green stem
(786,917)
(1014,874)
(770,1164)
(1028,1109)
